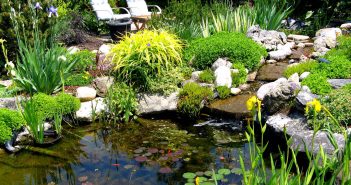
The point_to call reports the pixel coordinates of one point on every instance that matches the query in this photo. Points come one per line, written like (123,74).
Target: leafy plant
(167,83)
(85,59)
(80,79)
(207,76)
(145,55)
(317,83)
(300,68)
(66,103)
(239,78)
(33,120)
(236,46)
(13,119)
(223,92)
(192,98)
(5,132)
(122,103)
(44,105)
(57,123)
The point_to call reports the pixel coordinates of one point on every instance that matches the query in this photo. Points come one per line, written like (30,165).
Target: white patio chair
(140,8)
(104,12)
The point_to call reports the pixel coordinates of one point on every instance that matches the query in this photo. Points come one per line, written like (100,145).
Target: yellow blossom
(315,104)
(2,41)
(252,103)
(197,181)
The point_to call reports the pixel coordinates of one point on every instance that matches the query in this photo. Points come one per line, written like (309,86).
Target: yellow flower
(197,181)
(2,41)
(315,104)
(252,103)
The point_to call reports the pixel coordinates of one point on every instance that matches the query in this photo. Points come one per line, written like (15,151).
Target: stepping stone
(298,37)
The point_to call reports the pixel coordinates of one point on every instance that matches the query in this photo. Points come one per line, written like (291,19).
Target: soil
(93,42)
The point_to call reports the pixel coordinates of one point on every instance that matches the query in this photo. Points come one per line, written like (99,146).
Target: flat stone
(271,72)
(301,45)
(85,94)
(338,83)
(298,37)
(271,61)
(86,110)
(303,97)
(151,104)
(235,91)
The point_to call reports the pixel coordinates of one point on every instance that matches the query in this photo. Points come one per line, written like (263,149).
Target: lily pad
(148,154)
(199,174)
(165,170)
(146,142)
(218,177)
(208,173)
(203,179)
(163,158)
(138,151)
(191,180)
(189,175)
(152,150)
(224,171)
(141,159)
(237,171)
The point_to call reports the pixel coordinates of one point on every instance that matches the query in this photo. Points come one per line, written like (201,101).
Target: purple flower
(37,6)
(148,44)
(53,11)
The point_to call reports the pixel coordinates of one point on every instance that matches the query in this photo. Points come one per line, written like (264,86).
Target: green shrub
(300,68)
(236,46)
(80,79)
(339,67)
(241,77)
(167,83)
(140,57)
(122,102)
(317,83)
(5,132)
(223,92)
(45,105)
(343,48)
(85,59)
(67,103)
(207,76)
(191,99)
(13,119)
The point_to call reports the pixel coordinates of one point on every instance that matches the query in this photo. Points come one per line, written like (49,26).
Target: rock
(271,72)
(281,53)
(316,54)
(85,94)
(303,58)
(6,83)
(264,89)
(103,63)
(86,110)
(294,78)
(235,91)
(150,104)
(346,26)
(269,39)
(251,76)
(271,61)
(244,87)
(296,128)
(291,61)
(195,75)
(102,84)
(308,44)
(338,83)
(221,62)
(326,39)
(104,49)
(301,45)
(232,107)
(235,71)
(10,103)
(303,97)
(298,37)
(73,49)
(304,75)
(223,76)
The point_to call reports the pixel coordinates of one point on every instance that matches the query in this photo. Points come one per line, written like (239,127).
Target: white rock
(156,103)
(298,37)
(86,110)
(236,71)
(303,58)
(329,35)
(244,87)
(235,91)
(221,62)
(294,78)
(301,45)
(102,84)
(85,94)
(281,53)
(271,61)
(104,49)
(266,88)
(223,76)
(251,76)
(73,49)
(195,75)
(304,75)
(346,26)
(291,61)
(6,83)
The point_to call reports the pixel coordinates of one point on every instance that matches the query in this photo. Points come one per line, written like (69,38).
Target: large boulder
(221,62)
(326,39)
(303,97)
(346,28)
(102,84)
(86,94)
(270,39)
(223,76)
(151,104)
(282,53)
(264,89)
(89,109)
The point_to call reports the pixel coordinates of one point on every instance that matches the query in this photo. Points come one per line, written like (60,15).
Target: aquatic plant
(12,118)
(34,120)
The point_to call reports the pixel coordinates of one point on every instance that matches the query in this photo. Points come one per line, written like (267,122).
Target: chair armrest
(125,9)
(157,7)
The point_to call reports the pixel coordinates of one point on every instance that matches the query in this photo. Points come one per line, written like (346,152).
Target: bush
(191,99)
(11,118)
(67,103)
(80,79)
(300,68)
(168,83)
(236,46)
(241,77)
(122,102)
(5,132)
(207,76)
(85,59)
(45,106)
(146,55)
(223,92)
(317,83)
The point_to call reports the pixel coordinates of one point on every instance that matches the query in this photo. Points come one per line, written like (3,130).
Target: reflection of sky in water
(104,160)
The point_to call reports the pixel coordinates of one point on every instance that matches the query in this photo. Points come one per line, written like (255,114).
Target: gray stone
(223,76)
(294,78)
(295,127)
(10,103)
(264,89)
(303,97)
(346,26)
(221,62)
(150,104)
(195,75)
(6,83)
(102,84)
(85,94)
(304,75)
(251,76)
(338,83)
(298,37)
(90,108)
(303,58)
(326,39)
(291,61)
(270,39)
(281,53)
(104,49)
(316,54)
(244,87)
(301,45)
(235,91)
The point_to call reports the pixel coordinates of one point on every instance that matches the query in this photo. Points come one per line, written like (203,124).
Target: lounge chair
(139,8)
(104,12)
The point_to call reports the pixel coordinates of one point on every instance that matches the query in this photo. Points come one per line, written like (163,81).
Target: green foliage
(5,132)
(44,105)
(11,118)
(67,103)
(122,102)
(146,55)
(241,77)
(84,59)
(317,83)
(300,68)
(236,46)
(80,79)
(191,99)
(34,120)
(167,83)
(207,76)
(223,92)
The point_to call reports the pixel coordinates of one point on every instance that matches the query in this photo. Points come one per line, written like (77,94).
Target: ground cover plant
(300,68)
(240,77)
(206,76)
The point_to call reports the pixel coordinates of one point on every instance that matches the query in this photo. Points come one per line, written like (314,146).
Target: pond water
(147,152)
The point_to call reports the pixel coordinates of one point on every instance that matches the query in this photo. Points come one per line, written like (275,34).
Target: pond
(147,152)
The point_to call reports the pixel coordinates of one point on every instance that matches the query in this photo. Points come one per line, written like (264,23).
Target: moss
(300,68)
(45,105)
(12,118)
(239,78)
(207,76)
(5,132)
(317,83)
(223,92)
(80,79)
(67,103)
